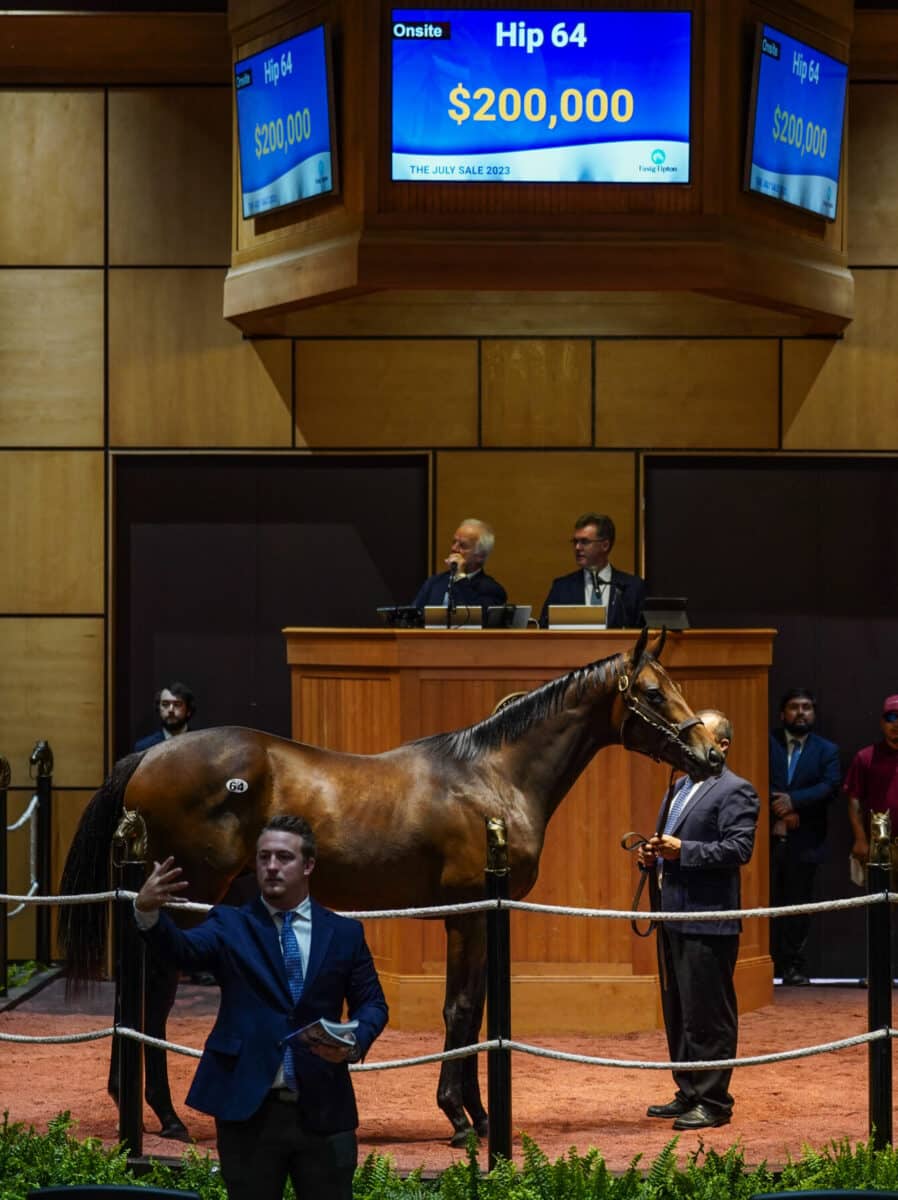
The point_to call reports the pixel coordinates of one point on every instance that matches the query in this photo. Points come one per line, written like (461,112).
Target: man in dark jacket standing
(804,780)
(282,1108)
(707,834)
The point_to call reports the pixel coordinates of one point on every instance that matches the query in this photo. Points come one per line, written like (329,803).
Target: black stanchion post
(5,776)
(42,771)
(879,984)
(498,992)
(129,992)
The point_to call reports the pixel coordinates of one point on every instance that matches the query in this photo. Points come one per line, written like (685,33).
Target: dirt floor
(779,1108)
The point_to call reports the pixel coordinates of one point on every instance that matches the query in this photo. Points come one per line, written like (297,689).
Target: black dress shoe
(676,1108)
(795,978)
(701,1117)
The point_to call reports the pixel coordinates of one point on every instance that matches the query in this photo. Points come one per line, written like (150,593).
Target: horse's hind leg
(459,1088)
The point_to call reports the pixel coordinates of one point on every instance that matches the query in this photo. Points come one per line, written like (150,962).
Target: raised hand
(162,885)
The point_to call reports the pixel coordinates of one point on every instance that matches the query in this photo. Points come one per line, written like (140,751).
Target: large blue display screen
(284,123)
(795,137)
(550,97)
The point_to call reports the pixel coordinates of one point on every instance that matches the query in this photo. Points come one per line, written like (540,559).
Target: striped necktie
(293,965)
(676,807)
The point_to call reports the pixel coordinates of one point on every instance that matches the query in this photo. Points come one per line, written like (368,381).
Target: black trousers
(791,882)
(258,1155)
(700,1011)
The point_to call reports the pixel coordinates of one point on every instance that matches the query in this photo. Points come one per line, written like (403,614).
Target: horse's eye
(654,696)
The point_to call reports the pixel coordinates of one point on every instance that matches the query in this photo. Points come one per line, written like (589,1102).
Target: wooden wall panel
(51,688)
(386,393)
(51,529)
(52,208)
(693,394)
(844,395)
(179,375)
(873,175)
(169,176)
(51,358)
(337,713)
(532,499)
(537,392)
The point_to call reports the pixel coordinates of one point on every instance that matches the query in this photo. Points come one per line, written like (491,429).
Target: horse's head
(655,718)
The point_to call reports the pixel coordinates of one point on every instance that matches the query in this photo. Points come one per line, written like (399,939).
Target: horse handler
(282,1108)
(704,838)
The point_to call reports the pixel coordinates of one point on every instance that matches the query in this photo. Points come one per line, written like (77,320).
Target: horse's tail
(82,927)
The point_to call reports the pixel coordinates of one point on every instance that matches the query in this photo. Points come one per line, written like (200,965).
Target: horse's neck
(546,761)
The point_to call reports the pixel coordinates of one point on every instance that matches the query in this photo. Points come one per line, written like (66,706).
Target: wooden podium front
(368,690)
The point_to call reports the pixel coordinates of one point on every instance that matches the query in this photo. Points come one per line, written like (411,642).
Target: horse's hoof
(482,1126)
(175,1129)
(460,1136)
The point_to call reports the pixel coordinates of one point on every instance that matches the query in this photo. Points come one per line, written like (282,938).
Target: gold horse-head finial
(130,838)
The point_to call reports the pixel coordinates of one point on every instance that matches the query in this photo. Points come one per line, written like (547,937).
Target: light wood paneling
(873,175)
(180,375)
(169,176)
(51,528)
(51,688)
(532,500)
(52,209)
(51,358)
(386,393)
(537,392)
(334,711)
(681,394)
(844,395)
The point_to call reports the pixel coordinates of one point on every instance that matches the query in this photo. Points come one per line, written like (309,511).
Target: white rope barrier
(28,817)
(475,906)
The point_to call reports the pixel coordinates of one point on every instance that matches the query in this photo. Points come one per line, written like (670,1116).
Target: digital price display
(795,132)
(285,123)
(544,97)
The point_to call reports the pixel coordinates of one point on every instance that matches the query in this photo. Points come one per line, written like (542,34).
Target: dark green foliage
(31,1160)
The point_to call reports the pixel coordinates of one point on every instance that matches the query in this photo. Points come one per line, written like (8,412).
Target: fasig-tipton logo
(427,31)
(243,79)
(659,158)
(770,47)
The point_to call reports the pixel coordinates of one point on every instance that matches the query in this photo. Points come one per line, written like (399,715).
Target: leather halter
(666,731)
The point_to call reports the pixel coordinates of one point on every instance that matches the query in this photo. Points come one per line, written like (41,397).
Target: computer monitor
(669,611)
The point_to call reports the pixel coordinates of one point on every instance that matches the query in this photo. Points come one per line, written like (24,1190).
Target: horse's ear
(639,649)
(656,649)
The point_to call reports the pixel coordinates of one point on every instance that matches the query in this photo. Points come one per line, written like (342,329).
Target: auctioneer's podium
(368,690)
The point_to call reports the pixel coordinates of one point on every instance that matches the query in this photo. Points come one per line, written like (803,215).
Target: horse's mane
(514,719)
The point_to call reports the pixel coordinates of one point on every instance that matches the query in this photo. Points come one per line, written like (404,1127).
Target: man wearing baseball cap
(872,781)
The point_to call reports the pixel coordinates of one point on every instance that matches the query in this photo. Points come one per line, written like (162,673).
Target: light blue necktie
(293,965)
(676,807)
(596,588)
(794,756)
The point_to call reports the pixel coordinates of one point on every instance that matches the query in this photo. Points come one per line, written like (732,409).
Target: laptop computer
(462,616)
(507,616)
(665,610)
(577,616)
(401,616)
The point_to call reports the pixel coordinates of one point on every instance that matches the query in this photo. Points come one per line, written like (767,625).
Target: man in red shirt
(872,781)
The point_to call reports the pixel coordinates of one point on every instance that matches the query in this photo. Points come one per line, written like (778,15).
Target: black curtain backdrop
(806,546)
(214,556)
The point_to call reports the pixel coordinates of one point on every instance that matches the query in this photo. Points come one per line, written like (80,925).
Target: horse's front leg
(459,1088)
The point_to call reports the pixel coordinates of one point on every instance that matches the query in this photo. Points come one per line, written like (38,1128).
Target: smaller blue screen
(796,135)
(284,123)
(505,95)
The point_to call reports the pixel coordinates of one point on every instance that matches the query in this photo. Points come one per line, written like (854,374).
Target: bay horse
(401,829)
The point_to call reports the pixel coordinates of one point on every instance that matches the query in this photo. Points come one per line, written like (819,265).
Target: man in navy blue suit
(703,840)
(804,780)
(595,581)
(465,583)
(281,1108)
(175,704)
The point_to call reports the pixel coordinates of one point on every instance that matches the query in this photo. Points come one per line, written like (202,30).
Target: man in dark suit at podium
(465,583)
(175,704)
(595,581)
(804,780)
